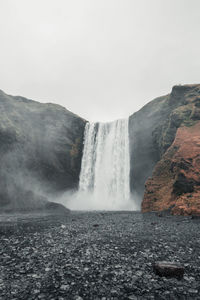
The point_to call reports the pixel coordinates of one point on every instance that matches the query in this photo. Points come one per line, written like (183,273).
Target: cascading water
(106,165)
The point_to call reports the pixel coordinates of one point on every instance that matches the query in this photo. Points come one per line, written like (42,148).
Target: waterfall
(106,165)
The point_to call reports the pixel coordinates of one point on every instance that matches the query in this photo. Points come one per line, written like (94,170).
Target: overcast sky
(101,59)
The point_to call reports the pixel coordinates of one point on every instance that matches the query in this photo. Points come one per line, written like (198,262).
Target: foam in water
(104,177)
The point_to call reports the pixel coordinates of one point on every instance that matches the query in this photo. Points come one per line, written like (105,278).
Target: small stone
(78,298)
(168,269)
(114,292)
(132,297)
(47,269)
(64,287)
(139,273)
(189,279)
(166,292)
(193,291)
(41,296)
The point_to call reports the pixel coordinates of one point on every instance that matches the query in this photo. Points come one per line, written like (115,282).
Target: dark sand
(97,255)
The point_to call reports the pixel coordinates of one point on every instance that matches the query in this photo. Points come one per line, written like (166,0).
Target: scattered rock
(56,258)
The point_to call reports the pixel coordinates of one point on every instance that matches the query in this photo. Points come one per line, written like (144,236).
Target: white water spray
(104,176)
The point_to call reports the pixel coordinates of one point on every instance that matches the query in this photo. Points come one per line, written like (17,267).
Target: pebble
(192,291)
(64,259)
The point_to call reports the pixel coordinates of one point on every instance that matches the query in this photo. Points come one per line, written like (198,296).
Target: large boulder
(40,150)
(168,269)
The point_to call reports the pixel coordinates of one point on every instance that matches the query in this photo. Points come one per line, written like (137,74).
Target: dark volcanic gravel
(97,255)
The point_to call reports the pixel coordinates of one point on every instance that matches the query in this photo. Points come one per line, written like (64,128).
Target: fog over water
(103,59)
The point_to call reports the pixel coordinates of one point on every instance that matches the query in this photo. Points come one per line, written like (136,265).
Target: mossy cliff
(155,135)
(175,183)
(153,129)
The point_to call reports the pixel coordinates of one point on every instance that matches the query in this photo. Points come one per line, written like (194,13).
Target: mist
(87,201)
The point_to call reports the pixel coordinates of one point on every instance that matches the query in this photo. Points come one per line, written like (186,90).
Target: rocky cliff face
(152,130)
(175,181)
(40,150)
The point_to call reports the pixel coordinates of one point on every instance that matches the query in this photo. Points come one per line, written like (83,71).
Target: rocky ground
(97,255)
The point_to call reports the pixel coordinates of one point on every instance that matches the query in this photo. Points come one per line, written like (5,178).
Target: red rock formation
(175,182)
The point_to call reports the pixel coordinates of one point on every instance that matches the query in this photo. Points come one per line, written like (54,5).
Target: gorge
(41,147)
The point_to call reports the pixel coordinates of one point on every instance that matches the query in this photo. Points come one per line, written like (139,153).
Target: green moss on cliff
(184,115)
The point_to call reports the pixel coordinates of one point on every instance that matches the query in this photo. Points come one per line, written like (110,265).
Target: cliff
(175,181)
(40,151)
(153,128)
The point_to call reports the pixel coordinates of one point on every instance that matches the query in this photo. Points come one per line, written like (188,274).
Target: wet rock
(168,269)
